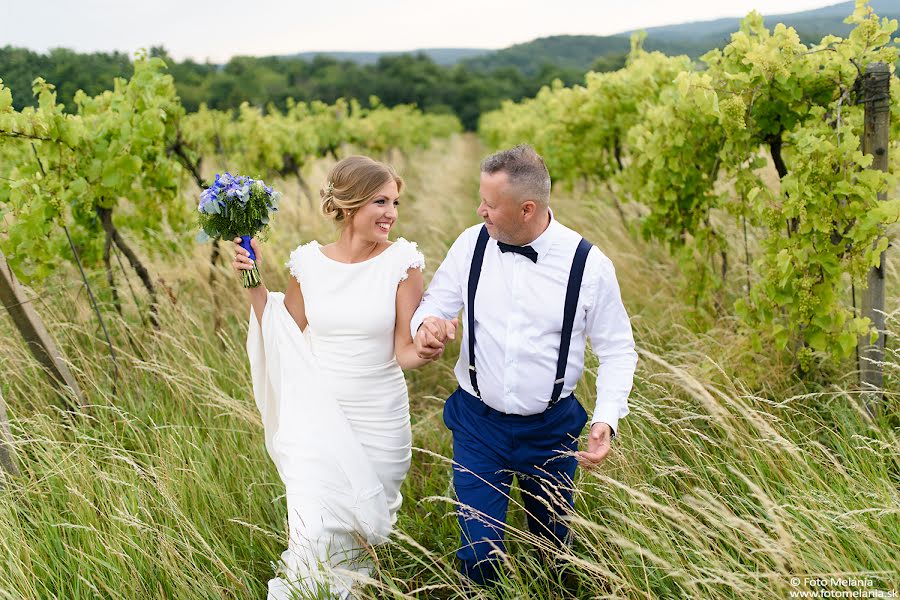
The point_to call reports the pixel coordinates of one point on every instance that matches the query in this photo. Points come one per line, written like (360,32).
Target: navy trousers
(489,448)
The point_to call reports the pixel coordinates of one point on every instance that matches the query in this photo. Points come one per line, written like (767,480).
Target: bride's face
(373,222)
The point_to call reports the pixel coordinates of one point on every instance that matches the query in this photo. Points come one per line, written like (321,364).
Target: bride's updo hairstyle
(352,183)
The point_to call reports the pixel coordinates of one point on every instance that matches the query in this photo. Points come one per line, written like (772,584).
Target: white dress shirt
(518,323)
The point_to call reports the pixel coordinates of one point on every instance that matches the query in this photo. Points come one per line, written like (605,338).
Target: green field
(729,478)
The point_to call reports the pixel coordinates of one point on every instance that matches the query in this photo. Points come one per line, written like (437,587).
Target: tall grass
(729,477)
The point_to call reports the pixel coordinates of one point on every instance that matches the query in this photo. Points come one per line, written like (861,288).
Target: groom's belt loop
(573,288)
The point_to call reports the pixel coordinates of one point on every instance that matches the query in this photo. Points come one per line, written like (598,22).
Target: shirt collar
(543,242)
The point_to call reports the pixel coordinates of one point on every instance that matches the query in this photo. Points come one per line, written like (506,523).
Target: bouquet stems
(251,278)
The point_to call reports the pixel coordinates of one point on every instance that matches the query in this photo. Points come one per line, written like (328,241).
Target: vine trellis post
(875,140)
(7,456)
(36,337)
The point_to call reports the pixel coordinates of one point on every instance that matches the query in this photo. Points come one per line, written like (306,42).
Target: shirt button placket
(513,334)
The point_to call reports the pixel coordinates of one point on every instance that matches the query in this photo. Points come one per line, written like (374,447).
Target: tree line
(402,79)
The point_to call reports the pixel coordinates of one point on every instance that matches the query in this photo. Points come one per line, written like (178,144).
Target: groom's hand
(598,446)
(447,328)
(432,335)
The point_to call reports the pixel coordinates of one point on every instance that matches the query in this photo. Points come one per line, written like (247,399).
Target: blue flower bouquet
(237,207)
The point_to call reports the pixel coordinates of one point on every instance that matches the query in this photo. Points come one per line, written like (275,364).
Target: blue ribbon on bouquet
(245,244)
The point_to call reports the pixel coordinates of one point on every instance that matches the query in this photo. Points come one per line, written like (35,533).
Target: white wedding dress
(335,412)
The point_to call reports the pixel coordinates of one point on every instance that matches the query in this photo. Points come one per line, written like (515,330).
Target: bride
(326,358)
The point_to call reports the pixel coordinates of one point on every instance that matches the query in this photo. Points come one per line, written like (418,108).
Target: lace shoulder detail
(300,258)
(407,257)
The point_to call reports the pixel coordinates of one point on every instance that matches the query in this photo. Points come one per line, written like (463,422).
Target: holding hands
(433,335)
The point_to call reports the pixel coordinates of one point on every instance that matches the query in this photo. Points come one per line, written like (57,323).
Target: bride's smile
(374,221)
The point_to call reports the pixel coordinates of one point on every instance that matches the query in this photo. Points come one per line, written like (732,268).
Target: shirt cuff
(609,413)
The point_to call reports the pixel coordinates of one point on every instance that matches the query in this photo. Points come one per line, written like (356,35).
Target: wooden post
(7,456)
(877,99)
(29,324)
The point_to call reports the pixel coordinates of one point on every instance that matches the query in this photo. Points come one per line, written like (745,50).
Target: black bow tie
(526,251)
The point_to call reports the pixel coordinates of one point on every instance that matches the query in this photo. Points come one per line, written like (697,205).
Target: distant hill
(812,25)
(442,56)
(581,52)
(693,39)
(566,51)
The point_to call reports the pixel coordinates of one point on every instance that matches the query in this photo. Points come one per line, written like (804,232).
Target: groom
(531,291)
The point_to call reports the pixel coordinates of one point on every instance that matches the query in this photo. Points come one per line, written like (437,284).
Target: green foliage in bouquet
(235,207)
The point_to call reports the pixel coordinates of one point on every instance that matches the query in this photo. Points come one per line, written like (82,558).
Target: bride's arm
(293,297)
(258,295)
(409,295)
(293,302)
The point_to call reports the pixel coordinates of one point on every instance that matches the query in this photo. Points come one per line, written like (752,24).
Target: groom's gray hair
(526,171)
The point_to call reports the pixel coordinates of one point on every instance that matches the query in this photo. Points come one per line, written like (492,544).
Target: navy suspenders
(572,290)
(474,275)
(576,273)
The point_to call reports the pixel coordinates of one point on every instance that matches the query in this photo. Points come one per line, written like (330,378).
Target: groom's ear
(529,208)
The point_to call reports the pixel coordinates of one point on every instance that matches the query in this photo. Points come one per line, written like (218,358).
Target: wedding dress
(335,411)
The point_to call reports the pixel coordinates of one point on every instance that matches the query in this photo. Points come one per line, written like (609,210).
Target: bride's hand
(242,260)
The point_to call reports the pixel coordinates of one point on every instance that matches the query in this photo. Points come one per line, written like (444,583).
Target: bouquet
(237,207)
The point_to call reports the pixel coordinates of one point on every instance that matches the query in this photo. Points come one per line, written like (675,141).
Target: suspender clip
(560,380)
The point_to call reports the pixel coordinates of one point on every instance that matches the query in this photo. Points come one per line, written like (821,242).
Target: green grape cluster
(732,114)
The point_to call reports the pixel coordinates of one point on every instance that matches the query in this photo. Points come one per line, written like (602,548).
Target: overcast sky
(217,30)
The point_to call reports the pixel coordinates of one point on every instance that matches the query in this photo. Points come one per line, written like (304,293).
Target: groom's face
(500,208)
